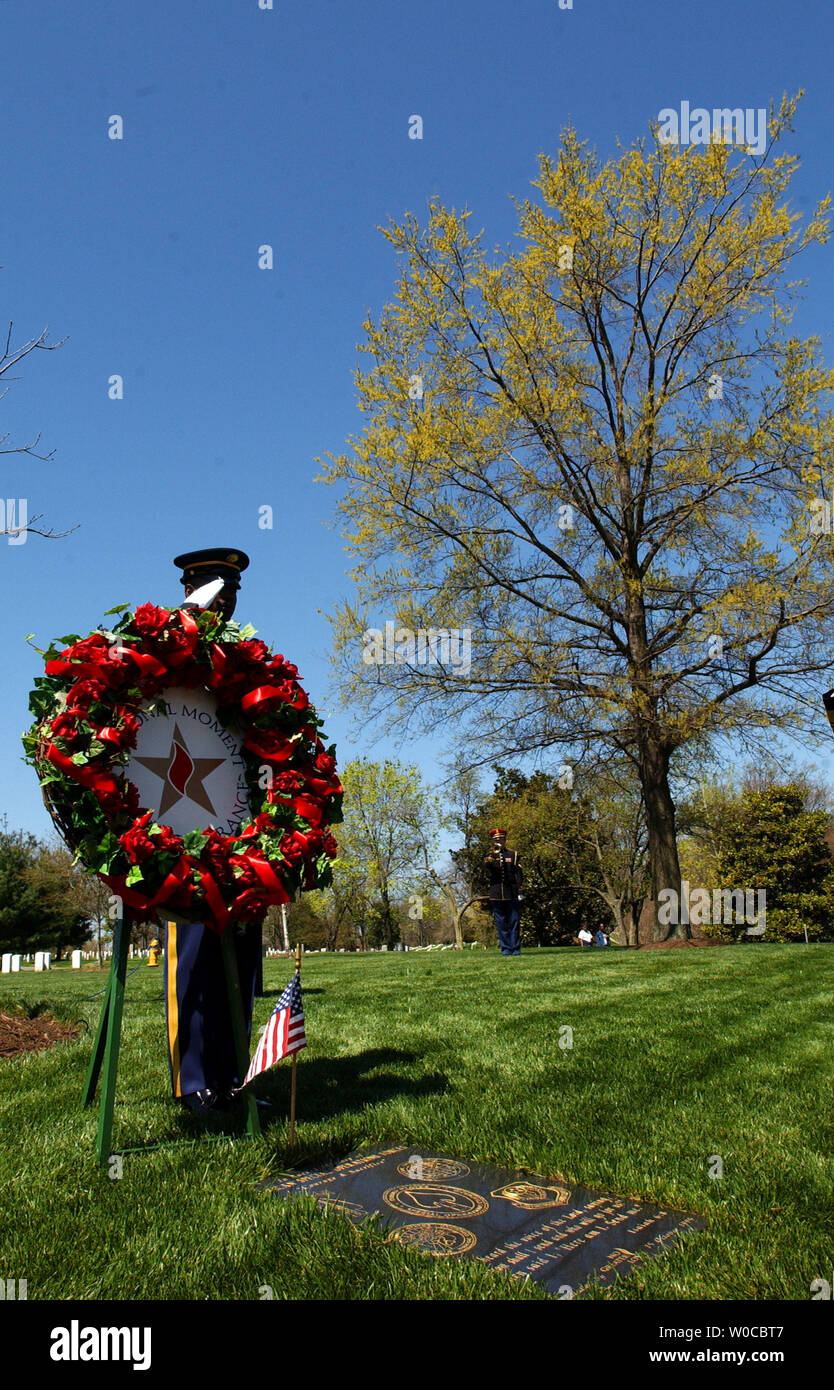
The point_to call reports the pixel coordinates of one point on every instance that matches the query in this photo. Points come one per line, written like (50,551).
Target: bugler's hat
(497,832)
(200,566)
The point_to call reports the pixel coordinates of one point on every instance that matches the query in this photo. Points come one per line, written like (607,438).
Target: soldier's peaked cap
(497,832)
(221,562)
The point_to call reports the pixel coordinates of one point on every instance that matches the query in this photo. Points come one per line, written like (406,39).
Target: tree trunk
(660,826)
(387,918)
(633,913)
(653,753)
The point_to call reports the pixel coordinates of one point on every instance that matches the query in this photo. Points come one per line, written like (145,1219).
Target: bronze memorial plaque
(561,1236)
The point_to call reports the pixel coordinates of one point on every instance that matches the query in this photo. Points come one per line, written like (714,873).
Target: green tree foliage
(38,910)
(391,820)
(768,838)
(599,451)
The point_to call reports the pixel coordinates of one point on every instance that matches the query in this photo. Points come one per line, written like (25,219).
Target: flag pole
(294,1056)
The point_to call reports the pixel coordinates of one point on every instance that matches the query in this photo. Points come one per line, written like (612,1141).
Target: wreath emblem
(88,709)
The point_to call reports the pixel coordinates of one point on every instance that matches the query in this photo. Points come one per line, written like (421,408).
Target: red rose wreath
(86,711)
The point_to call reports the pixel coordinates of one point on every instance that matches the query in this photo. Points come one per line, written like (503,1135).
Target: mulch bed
(21,1034)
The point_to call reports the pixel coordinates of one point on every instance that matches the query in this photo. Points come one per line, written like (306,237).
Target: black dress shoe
(233,1096)
(205,1102)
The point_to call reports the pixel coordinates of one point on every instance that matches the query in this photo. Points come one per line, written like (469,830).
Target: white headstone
(16,963)
(6,966)
(43,960)
(76,960)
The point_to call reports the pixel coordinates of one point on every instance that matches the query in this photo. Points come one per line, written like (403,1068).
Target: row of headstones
(323,950)
(42,960)
(11,963)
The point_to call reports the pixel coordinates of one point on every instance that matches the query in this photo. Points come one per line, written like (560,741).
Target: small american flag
(284,1033)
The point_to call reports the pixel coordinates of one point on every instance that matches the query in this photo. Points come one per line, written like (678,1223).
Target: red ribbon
(218,666)
(263,695)
(110,735)
(275,890)
(253,742)
(81,773)
(132,898)
(219,911)
(191,631)
(148,665)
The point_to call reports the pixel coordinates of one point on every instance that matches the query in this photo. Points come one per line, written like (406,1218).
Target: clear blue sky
(288,126)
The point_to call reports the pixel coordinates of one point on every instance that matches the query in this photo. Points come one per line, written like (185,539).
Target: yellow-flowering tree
(597,455)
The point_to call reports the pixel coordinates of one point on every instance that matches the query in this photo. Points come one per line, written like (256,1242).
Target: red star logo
(181,774)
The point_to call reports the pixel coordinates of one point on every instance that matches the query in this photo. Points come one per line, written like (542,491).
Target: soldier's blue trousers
(506,922)
(201,1045)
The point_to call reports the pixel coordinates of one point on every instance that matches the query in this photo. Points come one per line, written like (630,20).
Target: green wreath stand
(105,1055)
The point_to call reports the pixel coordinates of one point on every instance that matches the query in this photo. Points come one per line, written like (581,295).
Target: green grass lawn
(677,1056)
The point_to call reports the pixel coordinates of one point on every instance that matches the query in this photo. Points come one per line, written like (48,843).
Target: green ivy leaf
(120,608)
(134,875)
(194,842)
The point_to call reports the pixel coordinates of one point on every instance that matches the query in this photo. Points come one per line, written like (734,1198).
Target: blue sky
(289,127)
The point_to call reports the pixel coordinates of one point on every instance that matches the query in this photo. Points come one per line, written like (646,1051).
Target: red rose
(244,874)
(94,649)
(214,857)
(149,621)
(249,906)
(66,728)
(254,649)
(330,847)
(292,846)
(129,728)
(165,839)
(288,782)
(83,693)
(176,647)
(136,842)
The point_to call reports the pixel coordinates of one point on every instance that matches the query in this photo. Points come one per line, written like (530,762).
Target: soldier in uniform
(505,878)
(201,1043)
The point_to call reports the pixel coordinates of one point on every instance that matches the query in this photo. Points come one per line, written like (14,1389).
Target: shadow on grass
(327,1088)
(332,1086)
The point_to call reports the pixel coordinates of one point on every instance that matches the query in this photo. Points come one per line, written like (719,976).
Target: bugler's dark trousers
(506,922)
